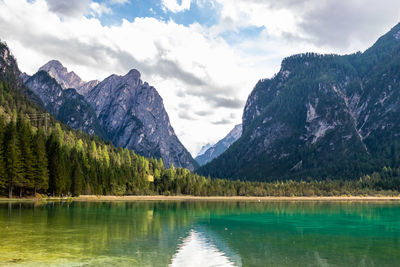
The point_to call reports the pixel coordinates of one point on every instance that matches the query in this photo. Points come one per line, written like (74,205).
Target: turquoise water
(200,234)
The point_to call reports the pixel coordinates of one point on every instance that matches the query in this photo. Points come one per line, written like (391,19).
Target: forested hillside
(123,109)
(40,155)
(321,116)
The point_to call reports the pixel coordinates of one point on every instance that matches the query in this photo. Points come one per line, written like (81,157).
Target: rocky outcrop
(24,77)
(323,116)
(10,73)
(204,148)
(67,79)
(60,73)
(85,88)
(66,104)
(220,147)
(127,110)
(133,115)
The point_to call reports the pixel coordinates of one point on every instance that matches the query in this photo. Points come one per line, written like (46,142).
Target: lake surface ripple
(200,233)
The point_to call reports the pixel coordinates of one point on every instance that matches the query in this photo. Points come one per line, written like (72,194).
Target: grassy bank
(209,198)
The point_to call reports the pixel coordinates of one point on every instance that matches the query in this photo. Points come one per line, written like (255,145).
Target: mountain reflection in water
(199,234)
(197,250)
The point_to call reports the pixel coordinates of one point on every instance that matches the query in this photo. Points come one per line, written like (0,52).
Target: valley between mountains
(320,118)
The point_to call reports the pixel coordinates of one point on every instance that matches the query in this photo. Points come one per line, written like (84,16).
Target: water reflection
(196,250)
(199,233)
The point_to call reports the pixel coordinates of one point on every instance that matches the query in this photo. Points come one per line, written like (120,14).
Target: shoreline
(94,198)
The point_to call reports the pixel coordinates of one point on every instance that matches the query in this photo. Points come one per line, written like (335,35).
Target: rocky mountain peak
(7,61)
(321,116)
(54,64)
(214,151)
(134,73)
(66,79)
(9,68)
(133,114)
(132,78)
(204,149)
(65,104)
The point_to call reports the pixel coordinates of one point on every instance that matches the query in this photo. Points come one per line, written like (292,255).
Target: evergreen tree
(25,144)
(14,168)
(3,179)
(77,180)
(56,165)
(41,173)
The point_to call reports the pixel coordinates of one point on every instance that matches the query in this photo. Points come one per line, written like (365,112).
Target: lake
(200,233)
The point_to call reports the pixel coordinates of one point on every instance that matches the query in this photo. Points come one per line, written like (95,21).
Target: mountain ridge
(221,146)
(143,114)
(126,110)
(65,104)
(320,116)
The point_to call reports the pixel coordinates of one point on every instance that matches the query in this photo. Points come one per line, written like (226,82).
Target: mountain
(67,79)
(133,115)
(123,108)
(24,76)
(47,157)
(60,73)
(204,149)
(220,147)
(65,104)
(321,116)
(11,75)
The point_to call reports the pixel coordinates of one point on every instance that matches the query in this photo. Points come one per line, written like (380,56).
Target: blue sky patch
(206,14)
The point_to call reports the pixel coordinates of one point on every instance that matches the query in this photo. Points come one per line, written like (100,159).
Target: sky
(203,56)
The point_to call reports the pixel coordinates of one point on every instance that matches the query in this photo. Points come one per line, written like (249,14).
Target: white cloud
(120,1)
(174,6)
(326,25)
(184,65)
(97,10)
(68,8)
(203,80)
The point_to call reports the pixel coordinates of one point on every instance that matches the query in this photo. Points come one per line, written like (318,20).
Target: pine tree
(56,163)
(3,179)
(14,168)
(77,180)
(25,143)
(41,174)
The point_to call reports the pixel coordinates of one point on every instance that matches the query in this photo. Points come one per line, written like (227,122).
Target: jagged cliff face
(133,114)
(49,91)
(67,79)
(10,72)
(220,147)
(131,111)
(85,88)
(121,108)
(321,116)
(8,65)
(65,104)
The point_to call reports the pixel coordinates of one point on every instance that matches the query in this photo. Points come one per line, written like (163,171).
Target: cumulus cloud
(196,70)
(174,6)
(341,26)
(97,10)
(177,60)
(68,8)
